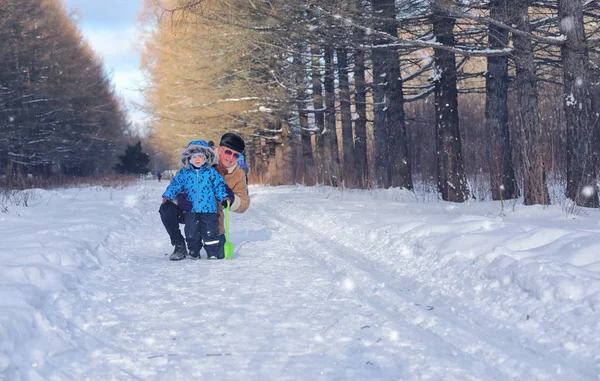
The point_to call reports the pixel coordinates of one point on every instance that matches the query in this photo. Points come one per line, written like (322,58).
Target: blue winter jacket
(242,161)
(204,186)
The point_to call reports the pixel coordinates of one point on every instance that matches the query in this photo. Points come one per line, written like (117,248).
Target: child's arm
(175,186)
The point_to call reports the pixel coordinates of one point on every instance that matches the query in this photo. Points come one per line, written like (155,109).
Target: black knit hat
(233,141)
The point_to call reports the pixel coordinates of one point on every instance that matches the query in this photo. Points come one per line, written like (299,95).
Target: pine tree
(134,160)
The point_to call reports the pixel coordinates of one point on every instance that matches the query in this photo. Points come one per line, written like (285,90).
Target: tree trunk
(308,173)
(260,167)
(331,154)
(283,164)
(534,176)
(323,175)
(250,157)
(452,182)
(400,163)
(381,134)
(581,122)
(360,123)
(288,154)
(295,143)
(503,182)
(349,171)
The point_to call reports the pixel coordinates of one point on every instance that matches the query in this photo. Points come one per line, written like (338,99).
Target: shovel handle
(227,222)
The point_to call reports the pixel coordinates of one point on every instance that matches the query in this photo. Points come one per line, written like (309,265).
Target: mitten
(226,201)
(230,193)
(183,203)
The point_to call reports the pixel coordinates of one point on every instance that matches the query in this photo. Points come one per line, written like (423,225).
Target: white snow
(324,285)
(570,100)
(265,109)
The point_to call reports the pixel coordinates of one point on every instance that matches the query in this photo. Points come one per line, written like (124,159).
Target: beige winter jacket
(236,180)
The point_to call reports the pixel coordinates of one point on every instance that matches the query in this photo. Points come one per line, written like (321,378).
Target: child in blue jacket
(243,165)
(204,187)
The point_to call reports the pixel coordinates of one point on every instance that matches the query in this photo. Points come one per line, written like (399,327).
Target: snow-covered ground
(324,285)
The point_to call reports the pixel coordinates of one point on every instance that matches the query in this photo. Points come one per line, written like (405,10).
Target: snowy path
(313,293)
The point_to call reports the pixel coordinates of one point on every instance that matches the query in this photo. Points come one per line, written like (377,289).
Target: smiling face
(228,157)
(198,160)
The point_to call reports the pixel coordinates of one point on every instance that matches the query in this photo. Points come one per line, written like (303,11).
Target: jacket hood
(196,147)
(198,143)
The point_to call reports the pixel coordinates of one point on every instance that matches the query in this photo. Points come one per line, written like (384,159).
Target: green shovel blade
(228,247)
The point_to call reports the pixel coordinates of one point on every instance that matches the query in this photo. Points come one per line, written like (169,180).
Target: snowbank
(522,283)
(535,271)
(46,250)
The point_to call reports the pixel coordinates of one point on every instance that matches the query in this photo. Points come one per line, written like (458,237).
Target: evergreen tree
(134,160)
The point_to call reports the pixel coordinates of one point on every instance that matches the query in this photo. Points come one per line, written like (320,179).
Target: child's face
(198,160)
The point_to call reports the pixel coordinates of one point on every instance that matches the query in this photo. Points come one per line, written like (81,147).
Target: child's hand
(165,199)
(226,201)
(230,193)
(183,203)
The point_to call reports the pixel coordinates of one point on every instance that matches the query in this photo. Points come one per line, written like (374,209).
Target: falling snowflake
(567,24)
(348,284)
(588,191)
(149,341)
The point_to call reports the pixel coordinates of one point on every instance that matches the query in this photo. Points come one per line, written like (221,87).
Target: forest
(492,99)
(59,116)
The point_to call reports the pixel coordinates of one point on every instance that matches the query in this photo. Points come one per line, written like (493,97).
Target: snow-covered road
(324,285)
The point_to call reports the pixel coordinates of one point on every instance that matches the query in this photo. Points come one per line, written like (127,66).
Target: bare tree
(360,123)
(380,66)
(330,139)
(582,124)
(534,174)
(502,173)
(309,167)
(346,118)
(400,166)
(452,182)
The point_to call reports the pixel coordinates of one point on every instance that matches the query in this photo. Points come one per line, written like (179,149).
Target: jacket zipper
(197,195)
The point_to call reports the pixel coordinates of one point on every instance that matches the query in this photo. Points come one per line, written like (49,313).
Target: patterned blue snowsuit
(204,187)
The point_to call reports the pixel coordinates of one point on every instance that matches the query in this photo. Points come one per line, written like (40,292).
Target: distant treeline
(58,112)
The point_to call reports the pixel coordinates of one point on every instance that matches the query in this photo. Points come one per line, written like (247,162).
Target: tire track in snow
(507,357)
(435,343)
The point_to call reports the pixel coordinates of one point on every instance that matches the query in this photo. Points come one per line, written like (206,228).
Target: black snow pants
(171,216)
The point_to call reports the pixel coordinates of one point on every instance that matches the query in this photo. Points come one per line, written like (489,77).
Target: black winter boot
(179,253)
(194,255)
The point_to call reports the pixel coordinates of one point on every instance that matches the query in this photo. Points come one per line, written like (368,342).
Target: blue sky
(110,26)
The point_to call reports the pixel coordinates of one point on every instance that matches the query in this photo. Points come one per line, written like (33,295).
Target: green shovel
(228,247)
